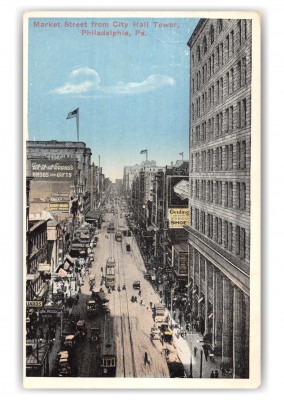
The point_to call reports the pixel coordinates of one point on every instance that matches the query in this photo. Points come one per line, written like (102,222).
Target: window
(222,54)
(225,234)
(218,91)
(218,56)
(204,45)
(202,222)
(192,110)
(231,118)
(226,193)
(219,197)
(232,42)
(230,157)
(238,192)
(192,84)
(242,196)
(230,236)
(238,115)
(211,34)
(243,155)
(219,230)
(221,88)
(239,27)
(228,46)
(211,192)
(198,53)
(192,58)
(239,74)
(242,243)
(244,113)
(238,237)
(197,219)
(230,194)
(226,129)
(245,28)
(244,71)
(219,25)
(232,80)
(203,74)
(228,83)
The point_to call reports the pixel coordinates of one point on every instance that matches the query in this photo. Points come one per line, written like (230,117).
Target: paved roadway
(131,322)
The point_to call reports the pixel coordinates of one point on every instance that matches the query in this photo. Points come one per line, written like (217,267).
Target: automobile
(128,248)
(91,256)
(147,277)
(81,329)
(136,285)
(155,333)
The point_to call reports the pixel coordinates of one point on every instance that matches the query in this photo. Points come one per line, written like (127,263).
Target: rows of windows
(220,90)
(231,237)
(38,241)
(225,122)
(228,157)
(234,40)
(235,77)
(228,194)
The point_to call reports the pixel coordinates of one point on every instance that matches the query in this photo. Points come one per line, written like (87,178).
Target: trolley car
(118,236)
(110,273)
(108,351)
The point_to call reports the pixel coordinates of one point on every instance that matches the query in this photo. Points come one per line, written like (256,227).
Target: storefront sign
(64,207)
(178,217)
(183,264)
(34,303)
(50,170)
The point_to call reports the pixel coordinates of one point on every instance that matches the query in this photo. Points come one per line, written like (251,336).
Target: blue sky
(132,91)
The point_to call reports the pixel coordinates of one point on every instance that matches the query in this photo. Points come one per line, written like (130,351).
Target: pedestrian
(206,353)
(151,304)
(195,351)
(212,375)
(146,361)
(216,375)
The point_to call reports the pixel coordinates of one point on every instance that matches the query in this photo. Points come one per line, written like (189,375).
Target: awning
(69,259)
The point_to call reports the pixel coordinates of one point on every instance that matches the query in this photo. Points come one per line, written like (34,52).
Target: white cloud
(85,80)
(82,80)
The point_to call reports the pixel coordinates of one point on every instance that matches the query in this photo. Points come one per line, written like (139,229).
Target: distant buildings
(62,188)
(220,160)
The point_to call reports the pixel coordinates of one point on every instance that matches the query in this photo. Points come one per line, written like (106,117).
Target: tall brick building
(219,203)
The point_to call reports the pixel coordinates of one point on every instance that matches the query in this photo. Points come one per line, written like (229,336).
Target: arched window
(204,44)
(198,53)
(220,25)
(211,34)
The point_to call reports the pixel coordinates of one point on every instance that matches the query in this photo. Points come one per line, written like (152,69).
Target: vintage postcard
(141,200)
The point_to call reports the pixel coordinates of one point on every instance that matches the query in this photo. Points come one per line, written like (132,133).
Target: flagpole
(146,155)
(77,121)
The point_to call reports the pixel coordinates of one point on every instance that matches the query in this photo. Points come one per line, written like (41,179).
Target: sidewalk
(185,347)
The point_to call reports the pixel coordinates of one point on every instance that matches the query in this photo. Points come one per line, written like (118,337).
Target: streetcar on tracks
(118,236)
(110,273)
(111,228)
(108,350)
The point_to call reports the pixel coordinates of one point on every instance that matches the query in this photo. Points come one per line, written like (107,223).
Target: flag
(73,114)
(181,154)
(143,151)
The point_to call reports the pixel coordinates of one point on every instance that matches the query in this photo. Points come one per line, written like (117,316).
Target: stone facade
(219,203)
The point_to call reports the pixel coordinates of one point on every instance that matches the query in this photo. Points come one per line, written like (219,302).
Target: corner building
(219,203)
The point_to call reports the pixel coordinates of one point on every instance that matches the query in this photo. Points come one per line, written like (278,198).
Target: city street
(131,322)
